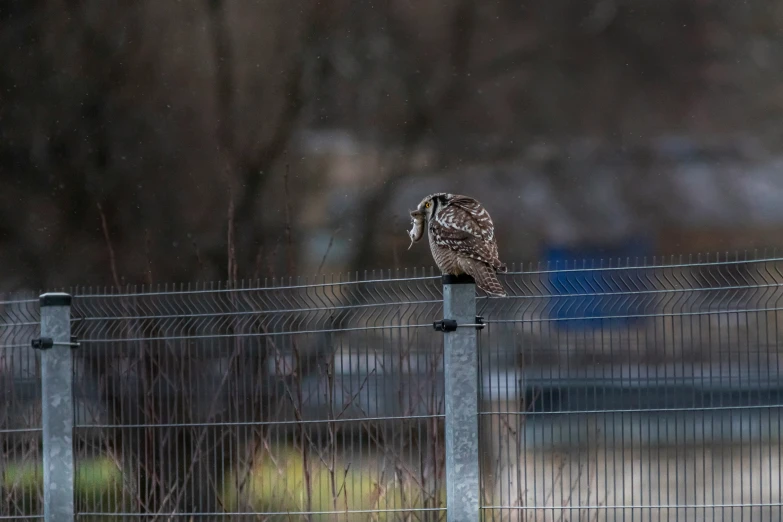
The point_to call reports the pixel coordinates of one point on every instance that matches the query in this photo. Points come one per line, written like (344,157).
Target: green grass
(97,485)
(280,486)
(274,486)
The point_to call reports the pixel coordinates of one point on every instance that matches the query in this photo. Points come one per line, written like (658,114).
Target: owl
(462,238)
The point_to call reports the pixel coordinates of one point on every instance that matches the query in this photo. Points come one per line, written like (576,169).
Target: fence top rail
(412,275)
(637,264)
(7,300)
(222,287)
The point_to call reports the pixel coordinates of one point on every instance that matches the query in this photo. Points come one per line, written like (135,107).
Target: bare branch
(328,249)
(107,238)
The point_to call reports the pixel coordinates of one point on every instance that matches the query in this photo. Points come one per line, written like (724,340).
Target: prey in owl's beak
(417,228)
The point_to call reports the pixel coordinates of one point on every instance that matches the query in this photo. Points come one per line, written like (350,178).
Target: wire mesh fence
(607,392)
(635,393)
(21,479)
(303,397)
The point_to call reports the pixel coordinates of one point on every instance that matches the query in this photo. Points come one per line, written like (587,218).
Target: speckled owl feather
(462,238)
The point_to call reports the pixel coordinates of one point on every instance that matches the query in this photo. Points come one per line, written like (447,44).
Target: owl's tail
(485,278)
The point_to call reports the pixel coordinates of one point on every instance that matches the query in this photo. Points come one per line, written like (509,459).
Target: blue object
(597,286)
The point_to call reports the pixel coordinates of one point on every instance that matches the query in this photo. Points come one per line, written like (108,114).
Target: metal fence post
(460,349)
(57,407)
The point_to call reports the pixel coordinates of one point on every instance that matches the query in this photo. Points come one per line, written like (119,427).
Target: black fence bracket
(449,325)
(480,323)
(45,343)
(445,325)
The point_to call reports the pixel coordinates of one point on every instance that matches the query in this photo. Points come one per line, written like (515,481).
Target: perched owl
(462,238)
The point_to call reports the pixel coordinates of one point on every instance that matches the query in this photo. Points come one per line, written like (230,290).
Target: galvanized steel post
(460,349)
(57,408)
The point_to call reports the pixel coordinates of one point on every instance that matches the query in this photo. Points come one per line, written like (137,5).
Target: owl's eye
(427,205)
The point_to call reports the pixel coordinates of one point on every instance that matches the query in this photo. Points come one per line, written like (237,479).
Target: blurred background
(160,142)
(146,141)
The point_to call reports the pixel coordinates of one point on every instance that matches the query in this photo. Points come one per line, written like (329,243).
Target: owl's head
(429,205)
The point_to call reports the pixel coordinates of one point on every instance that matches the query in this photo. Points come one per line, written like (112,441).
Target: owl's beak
(416,213)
